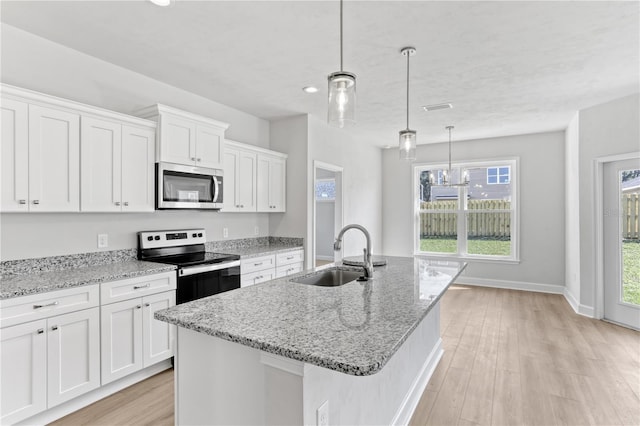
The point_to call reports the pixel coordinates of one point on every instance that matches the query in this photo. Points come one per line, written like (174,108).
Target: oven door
(201,281)
(186,187)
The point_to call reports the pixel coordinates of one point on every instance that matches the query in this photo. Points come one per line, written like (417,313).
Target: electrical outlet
(103,240)
(322,414)
(225,232)
(256,231)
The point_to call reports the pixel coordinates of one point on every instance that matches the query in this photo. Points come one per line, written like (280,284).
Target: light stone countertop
(42,282)
(255,251)
(353,329)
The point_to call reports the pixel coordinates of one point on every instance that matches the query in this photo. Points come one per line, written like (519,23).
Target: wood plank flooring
(511,358)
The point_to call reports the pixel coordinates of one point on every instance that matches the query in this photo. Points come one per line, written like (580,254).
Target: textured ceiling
(507,67)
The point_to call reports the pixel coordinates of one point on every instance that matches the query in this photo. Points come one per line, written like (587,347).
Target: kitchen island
(276,352)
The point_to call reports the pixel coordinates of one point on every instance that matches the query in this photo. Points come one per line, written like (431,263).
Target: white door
(54,160)
(622,242)
(73,355)
(277,185)
(158,335)
(100,165)
(15,156)
(177,140)
(246,181)
(138,154)
(121,339)
(209,141)
(23,362)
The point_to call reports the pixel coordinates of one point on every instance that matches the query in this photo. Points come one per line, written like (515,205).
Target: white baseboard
(579,309)
(82,401)
(512,285)
(412,398)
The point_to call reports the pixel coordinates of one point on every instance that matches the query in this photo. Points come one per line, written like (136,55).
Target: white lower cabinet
(131,338)
(255,270)
(47,362)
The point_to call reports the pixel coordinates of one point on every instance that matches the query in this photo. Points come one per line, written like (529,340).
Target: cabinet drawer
(116,291)
(257,277)
(257,264)
(290,257)
(284,270)
(37,306)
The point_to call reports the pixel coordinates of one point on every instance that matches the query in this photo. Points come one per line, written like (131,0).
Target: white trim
(82,401)
(337,169)
(329,258)
(153,111)
(512,285)
(598,218)
(412,398)
(253,148)
(281,363)
(587,311)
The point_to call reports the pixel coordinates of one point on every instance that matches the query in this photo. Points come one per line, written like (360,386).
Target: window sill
(477,259)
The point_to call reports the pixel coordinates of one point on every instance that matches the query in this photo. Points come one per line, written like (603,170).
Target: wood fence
(491,218)
(630,215)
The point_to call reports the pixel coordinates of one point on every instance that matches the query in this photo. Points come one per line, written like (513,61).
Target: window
(498,175)
(476,221)
(325,189)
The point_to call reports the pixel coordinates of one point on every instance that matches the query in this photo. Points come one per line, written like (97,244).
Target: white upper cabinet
(271,183)
(239,180)
(186,138)
(116,166)
(15,156)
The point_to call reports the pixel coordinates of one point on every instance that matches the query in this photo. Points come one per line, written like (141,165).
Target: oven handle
(192,270)
(215,189)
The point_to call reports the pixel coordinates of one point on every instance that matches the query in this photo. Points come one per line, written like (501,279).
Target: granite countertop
(255,251)
(353,329)
(41,282)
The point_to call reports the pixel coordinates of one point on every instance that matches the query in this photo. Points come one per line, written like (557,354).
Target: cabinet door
(54,160)
(277,185)
(158,336)
(177,140)
(100,165)
(209,142)
(263,173)
(121,339)
(73,355)
(246,181)
(138,153)
(15,156)
(23,362)
(230,180)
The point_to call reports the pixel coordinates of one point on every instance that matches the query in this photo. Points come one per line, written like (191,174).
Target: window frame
(462,210)
(498,174)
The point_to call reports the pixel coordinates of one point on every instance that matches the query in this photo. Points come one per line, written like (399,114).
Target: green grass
(476,246)
(631,272)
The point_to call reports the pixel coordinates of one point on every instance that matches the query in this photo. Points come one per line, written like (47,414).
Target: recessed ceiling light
(310,89)
(162,3)
(437,107)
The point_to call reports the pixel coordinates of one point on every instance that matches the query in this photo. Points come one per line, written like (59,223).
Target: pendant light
(342,93)
(446,174)
(408,138)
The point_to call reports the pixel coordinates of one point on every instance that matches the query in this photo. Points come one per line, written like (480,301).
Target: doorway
(621,241)
(327,211)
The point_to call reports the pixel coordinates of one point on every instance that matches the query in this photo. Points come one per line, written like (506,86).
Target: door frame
(336,169)
(598,175)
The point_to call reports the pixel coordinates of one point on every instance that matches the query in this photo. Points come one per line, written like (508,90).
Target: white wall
(572,211)
(607,129)
(38,64)
(542,227)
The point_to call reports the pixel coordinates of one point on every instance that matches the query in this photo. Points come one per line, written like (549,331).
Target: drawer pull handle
(54,328)
(22,201)
(147,304)
(48,304)
(289,257)
(138,287)
(258,264)
(36,201)
(126,203)
(259,277)
(138,306)
(117,203)
(40,330)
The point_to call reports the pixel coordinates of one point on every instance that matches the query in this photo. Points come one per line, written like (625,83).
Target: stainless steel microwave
(185,187)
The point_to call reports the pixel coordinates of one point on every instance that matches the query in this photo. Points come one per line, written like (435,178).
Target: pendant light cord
(408,55)
(341,36)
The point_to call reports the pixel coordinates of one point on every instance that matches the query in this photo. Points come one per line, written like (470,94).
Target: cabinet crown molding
(258,150)
(31,96)
(157,109)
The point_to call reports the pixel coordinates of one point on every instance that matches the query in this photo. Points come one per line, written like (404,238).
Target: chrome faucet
(368,264)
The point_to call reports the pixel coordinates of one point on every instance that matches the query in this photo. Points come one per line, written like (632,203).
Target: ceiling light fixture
(310,89)
(162,3)
(446,179)
(437,107)
(408,138)
(342,93)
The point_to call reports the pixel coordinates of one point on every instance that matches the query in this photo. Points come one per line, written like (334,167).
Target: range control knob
(157,238)
(149,238)
(194,235)
(200,234)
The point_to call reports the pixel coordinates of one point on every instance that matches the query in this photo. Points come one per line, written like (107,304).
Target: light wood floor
(511,358)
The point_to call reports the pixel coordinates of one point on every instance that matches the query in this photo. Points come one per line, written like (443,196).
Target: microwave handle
(215,189)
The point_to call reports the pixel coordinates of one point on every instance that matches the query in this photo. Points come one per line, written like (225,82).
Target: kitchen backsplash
(73,261)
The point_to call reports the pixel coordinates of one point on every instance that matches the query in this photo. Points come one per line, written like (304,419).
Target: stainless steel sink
(329,278)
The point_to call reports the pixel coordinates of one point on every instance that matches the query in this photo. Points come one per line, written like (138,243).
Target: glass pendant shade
(407,145)
(342,99)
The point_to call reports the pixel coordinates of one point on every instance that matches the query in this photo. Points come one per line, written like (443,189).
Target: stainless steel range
(200,273)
